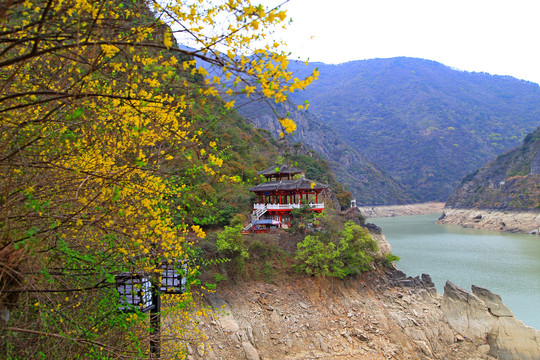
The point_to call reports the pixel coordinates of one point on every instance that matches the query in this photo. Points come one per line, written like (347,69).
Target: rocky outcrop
(482,317)
(498,220)
(399,210)
(384,247)
(376,316)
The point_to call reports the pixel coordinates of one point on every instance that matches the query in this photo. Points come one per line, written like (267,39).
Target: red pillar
(317,197)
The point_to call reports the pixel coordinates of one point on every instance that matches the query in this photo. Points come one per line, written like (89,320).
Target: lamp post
(143,292)
(155,323)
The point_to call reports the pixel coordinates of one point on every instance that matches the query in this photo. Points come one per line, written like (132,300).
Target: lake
(506,264)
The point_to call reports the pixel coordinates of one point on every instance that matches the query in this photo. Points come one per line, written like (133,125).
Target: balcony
(284,207)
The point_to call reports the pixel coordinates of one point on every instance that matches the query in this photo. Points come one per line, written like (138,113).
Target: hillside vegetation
(115,152)
(510,182)
(423,123)
(368,184)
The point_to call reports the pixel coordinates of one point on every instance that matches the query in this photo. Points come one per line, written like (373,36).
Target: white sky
(498,37)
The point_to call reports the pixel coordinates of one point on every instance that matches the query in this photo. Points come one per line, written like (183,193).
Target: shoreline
(401,210)
(527,222)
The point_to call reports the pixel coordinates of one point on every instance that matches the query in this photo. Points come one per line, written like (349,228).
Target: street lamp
(135,292)
(141,291)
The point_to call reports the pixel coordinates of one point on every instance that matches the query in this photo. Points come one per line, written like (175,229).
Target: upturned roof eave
(288,185)
(282,169)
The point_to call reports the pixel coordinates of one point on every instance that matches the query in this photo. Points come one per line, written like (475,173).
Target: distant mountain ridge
(423,123)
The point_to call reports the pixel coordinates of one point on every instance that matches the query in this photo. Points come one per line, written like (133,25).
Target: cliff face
(376,316)
(504,195)
(510,182)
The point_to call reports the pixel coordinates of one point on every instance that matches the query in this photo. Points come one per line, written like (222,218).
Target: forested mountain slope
(510,182)
(425,124)
(367,184)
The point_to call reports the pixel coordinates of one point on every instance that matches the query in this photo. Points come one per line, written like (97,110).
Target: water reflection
(507,264)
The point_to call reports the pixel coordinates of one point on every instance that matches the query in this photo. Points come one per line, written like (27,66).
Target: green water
(506,264)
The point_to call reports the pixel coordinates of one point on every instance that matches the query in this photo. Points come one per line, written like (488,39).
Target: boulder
(492,301)
(481,316)
(513,340)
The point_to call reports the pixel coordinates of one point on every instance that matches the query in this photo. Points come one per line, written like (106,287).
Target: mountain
(423,123)
(510,182)
(367,184)
(246,150)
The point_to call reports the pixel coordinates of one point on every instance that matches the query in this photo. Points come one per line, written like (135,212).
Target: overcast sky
(498,37)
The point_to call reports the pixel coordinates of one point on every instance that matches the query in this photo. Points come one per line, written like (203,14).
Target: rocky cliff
(503,195)
(376,316)
(510,182)
(497,220)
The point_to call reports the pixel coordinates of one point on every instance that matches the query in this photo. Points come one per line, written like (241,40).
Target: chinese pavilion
(279,195)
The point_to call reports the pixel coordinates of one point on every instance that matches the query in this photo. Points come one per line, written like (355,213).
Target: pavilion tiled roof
(299,184)
(281,169)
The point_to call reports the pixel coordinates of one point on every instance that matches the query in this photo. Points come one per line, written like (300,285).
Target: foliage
(351,253)
(106,129)
(361,218)
(390,259)
(230,243)
(319,257)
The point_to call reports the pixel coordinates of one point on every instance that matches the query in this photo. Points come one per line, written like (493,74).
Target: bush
(231,244)
(351,254)
(357,248)
(319,257)
(390,259)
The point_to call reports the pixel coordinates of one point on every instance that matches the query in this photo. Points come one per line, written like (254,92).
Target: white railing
(286,206)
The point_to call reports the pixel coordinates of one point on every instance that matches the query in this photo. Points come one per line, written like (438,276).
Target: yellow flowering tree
(100,126)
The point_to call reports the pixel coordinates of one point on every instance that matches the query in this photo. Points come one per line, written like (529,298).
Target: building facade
(285,189)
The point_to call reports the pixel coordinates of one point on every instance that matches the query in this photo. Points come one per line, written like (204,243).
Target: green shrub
(218,277)
(390,259)
(318,257)
(230,243)
(357,248)
(352,253)
(301,217)
(268,271)
(361,219)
